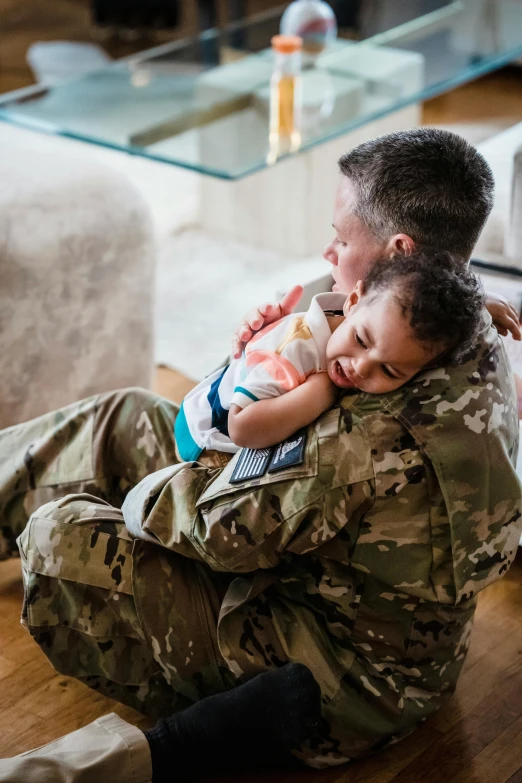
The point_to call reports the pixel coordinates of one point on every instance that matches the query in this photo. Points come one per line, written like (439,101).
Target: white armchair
(76,282)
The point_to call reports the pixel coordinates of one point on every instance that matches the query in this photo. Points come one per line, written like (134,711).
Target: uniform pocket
(226,485)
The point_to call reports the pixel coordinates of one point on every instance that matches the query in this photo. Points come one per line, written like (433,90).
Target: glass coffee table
(203,104)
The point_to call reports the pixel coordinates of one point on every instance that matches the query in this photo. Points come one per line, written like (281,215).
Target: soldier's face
(374,349)
(353,248)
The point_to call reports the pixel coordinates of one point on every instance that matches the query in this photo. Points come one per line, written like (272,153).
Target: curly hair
(441,298)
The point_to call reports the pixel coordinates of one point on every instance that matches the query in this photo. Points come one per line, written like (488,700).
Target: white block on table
(393,72)
(238,78)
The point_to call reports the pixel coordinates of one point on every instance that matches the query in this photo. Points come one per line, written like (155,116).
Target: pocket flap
(222,485)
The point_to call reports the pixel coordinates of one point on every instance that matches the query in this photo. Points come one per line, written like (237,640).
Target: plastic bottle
(313,21)
(285,96)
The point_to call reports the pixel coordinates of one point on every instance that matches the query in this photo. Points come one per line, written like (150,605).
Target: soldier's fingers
(237,347)
(244,332)
(290,300)
(270,312)
(254,320)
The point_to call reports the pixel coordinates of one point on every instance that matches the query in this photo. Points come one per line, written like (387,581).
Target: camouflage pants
(137,621)
(69,471)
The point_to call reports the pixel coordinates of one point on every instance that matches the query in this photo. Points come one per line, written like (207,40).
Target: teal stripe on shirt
(187,446)
(246,393)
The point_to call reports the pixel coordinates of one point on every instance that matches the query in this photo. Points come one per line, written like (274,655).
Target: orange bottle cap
(287,44)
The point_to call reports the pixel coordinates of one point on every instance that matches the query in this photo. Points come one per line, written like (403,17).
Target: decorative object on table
(313,21)
(57,61)
(285,96)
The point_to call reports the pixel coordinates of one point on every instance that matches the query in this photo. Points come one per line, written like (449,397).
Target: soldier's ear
(352,299)
(400,245)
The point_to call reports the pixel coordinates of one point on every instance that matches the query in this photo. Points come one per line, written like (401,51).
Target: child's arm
(504,315)
(267,422)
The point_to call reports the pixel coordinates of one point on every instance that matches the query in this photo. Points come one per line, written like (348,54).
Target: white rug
(205,285)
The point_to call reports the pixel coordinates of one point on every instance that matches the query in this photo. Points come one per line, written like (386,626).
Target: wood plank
(489,662)
(385,766)
(172,385)
(54,696)
(499,760)
(496,95)
(20,723)
(7,667)
(10,575)
(449,756)
(26,679)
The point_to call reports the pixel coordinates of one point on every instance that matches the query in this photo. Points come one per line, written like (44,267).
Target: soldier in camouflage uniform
(361,556)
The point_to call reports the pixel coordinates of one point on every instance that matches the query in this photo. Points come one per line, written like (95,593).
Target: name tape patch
(254,463)
(289,453)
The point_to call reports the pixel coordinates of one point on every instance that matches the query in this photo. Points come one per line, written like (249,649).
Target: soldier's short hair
(441,299)
(425,182)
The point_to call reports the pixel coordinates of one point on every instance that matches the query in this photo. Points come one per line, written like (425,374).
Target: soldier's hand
(261,316)
(504,315)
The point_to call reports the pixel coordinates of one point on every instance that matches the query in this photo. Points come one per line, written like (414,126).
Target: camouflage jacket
(364,559)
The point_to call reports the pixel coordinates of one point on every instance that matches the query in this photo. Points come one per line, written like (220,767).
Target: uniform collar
(317,321)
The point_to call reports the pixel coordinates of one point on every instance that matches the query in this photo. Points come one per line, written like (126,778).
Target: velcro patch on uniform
(290,452)
(252,463)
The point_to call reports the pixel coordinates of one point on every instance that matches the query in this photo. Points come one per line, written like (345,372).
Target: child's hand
(504,315)
(325,392)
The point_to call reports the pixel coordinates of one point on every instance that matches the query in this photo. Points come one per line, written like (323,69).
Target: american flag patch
(252,463)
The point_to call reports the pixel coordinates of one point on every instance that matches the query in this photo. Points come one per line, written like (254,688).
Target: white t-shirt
(278,359)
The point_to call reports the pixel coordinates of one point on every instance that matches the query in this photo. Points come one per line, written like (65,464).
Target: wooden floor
(476,738)
(495,96)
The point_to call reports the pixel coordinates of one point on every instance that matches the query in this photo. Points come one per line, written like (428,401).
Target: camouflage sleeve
(250,525)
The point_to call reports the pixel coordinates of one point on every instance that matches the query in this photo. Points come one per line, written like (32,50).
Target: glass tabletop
(204,103)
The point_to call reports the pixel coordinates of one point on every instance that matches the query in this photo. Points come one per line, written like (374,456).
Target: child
(408,313)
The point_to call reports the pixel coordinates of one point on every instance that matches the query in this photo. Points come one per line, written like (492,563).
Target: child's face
(374,349)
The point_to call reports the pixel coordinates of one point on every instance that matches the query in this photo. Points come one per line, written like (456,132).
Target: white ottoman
(76,282)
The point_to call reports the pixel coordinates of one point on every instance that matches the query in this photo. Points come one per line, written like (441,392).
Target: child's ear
(354,297)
